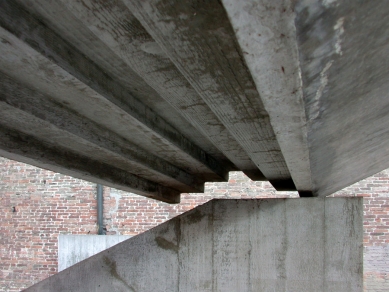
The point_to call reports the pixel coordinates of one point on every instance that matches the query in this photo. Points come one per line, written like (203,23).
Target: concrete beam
(31,69)
(343,50)
(115,25)
(39,116)
(266,34)
(63,21)
(33,33)
(25,148)
(291,91)
(311,244)
(201,43)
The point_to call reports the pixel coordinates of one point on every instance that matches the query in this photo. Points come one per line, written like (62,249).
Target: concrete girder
(201,43)
(36,72)
(55,15)
(22,147)
(124,35)
(50,45)
(343,50)
(41,117)
(266,34)
(292,91)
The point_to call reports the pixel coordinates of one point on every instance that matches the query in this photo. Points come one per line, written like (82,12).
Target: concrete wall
(75,248)
(48,204)
(376,268)
(234,245)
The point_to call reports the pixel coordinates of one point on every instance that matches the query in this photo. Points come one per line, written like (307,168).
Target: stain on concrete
(152,48)
(113,271)
(177,231)
(194,217)
(166,244)
(4,41)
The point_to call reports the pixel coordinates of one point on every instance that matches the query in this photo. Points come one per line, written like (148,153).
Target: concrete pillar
(306,244)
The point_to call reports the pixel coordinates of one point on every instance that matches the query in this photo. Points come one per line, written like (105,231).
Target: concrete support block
(75,248)
(306,244)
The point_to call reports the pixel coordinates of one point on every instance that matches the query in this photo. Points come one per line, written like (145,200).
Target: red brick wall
(130,214)
(48,204)
(375,191)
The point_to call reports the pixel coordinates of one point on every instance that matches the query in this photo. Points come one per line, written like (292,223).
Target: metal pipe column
(100,209)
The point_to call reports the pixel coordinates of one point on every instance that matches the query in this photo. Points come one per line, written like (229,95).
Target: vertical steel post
(100,209)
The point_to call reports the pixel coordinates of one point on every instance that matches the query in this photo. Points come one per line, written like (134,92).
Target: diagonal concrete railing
(310,244)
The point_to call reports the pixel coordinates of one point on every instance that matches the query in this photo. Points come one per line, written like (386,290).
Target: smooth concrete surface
(294,245)
(75,248)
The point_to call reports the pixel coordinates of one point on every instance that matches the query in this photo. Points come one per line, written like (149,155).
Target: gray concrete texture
(294,245)
(76,248)
(158,97)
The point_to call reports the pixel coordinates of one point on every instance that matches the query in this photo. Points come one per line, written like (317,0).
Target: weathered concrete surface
(53,47)
(266,33)
(343,48)
(76,248)
(61,125)
(148,60)
(308,244)
(202,45)
(294,92)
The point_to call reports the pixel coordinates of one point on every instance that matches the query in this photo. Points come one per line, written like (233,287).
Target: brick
(49,204)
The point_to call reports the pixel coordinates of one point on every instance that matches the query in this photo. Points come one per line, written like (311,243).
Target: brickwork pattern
(375,191)
(130,214)
(37,205)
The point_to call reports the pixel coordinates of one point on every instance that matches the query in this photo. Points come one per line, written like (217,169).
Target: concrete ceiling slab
(160,96)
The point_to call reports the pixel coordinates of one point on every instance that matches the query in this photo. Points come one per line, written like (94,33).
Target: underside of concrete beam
(307,244)
(180,92)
